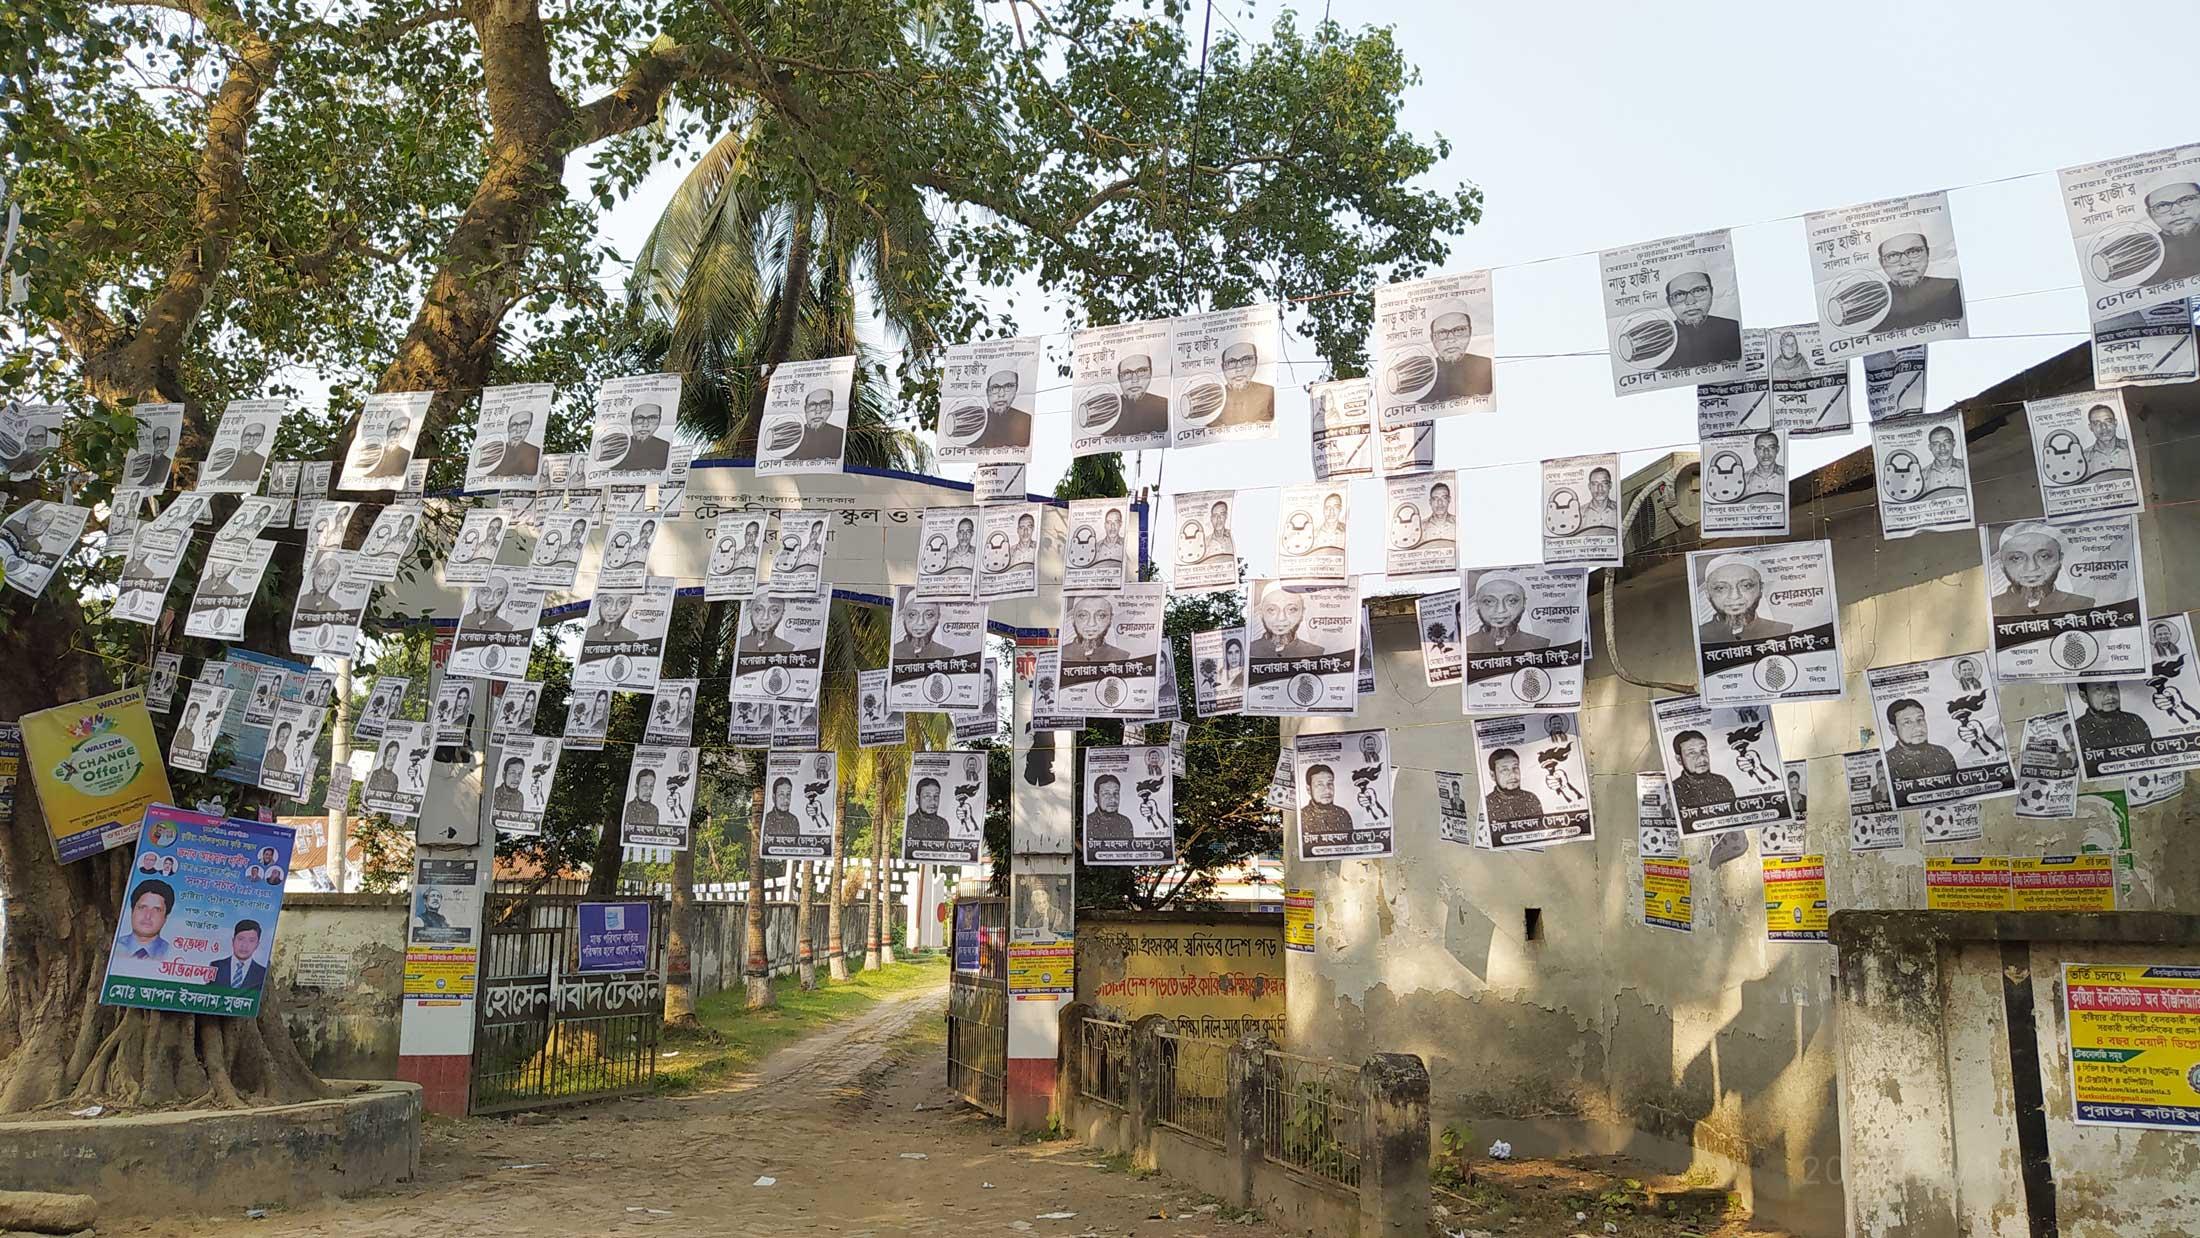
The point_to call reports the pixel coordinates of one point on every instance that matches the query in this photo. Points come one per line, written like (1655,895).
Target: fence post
(1394,1145)
(1242,1138)
(1069,1068)
(1143,1105)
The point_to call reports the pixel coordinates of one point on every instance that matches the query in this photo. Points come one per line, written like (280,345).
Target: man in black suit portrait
(2175,209)
(645,451)
(1005,424)
(148,465)
(520,457)
(1143,413)
(1701,337)
(391,455)
(239,969)
(1918,298)
(251,457)
(1459,374)
(821,439)
(1245,402)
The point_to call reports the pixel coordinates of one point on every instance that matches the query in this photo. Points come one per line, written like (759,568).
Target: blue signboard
(615,936)
(966,937)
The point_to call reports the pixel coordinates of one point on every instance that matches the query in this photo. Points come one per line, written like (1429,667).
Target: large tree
(219,194)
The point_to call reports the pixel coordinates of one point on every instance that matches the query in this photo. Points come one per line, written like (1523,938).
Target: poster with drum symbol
(1672,312)
(1121,386)
(2135,220)
(1435,345)
(1886,274)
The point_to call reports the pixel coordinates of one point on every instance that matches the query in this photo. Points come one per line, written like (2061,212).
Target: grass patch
(736,1039)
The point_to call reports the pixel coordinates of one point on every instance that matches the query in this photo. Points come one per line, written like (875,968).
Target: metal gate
(546,1033)
(977,1004)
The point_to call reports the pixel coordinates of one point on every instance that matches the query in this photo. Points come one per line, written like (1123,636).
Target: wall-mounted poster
(1874,825)
(197,928)
(1342,790)
(1128,802)
(2047,767)
(1672,312)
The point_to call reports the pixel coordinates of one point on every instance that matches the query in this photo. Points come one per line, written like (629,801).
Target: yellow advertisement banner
(1668,895)
(445,972)
(1967,883)
(97,768)
(2063,883)
(1041,970)
(1298,921)
(2134,1041)
(1796,905)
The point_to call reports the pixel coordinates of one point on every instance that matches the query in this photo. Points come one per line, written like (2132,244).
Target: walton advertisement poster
(97,766)
(197,928)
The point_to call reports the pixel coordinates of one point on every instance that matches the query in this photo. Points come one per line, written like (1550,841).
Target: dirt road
(836,1119)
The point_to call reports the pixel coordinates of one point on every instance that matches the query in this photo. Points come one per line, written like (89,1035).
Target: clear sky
(1595,125)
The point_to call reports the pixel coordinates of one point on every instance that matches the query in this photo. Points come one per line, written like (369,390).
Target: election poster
(1894,383)
(1886,274)
(1095,554)
(1767,623)
(1810,390)
(1363,683)
(1924,475)
(242,440)
(1337,823)
(943,818)
(1454,819)
(1743,403)
(398,782)
(779,654)
(878,723)
(624,640)
(480,536)
(2065,600)
(1874,825)
(196,933)
(1581,511)
(1224,364)
(627,540)
(1745,485)
(2132,1033)
(161,691)
(2047,767)
(2149,723)
(988,389)
(288,761)
(1961,822)
(1422,535)
(507,451)
(805,423)
(1343,429)
(382,705)
(2081,445)
(515,710)
(1408,449)
(555,559)
(1111,651)
(1000,483)
(390,539)
(1129,806)
(382,448)
(802,805)
(199,726)
(2152,347)
(454,711)
(1722,764)
(96,766)
(736,556)
(1283,782)
(1121,387)
(1009,567)
(150,462)
(1538,808)
(1668,894)
(2135,220)
(630,442)
(1206,544)
(749,723)
(1218,671)
(1311,535)
(660,796)
(1304,649)
(937,661)
(1672,312)
(1436,616)
(1797,906)
(671,718)
(496,631)
(947,553)
(794,726)
(1434,345)
(267,689)
(983,720)
(35,538)
(1523,638)
(446,906)
(147,571)
(1657,830)
(1942,736)
(1046,697)
(798,554)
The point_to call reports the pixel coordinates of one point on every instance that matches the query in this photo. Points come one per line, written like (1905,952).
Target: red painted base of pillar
(445,1080)
(1028,1101)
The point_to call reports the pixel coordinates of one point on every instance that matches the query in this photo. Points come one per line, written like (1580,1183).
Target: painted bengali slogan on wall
(1218,978)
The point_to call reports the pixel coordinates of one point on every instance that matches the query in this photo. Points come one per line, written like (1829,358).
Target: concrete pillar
(1242,1132)
(1897,1123)
(1394,1143)
(1069,1072)
(1142,1107)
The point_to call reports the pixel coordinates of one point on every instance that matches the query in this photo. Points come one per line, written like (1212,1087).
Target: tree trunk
(603,871)
(679,956)
(836,954)
(339,753)
(805,956)
(756,968)
(881,953)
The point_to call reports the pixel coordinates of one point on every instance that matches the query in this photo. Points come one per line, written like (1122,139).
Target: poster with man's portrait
(1129,814)
(937,660)
(288,761)
(1810,389)
(988,391)
(196,933)
(794,726)
(199,726)
(1343,414)
(627,541)
(228,581)
(2081,446)
(587,718)
(1205,553)
(631,440)
(1940,728)
(160,691)
(1302,649)
(524,768)
(35,538)
(671,713)
(1312,536)
(1434,347)
(749,723)
(1097,552)
(332,599)
(736,556)
(878,723)
(623,643)
(453,711)
(780,652)
(1580,514)
(1008,565)
(1886,274)
(480,538)
(554,561)
(244,440)
(496,631)
(1341,787)
(798,547)
(1436,617)
(2136,223)
(1722,764)
(389,540)
(805,423)
(1218,671)
(1534,771)
(1225,369)
(1874,825)
(1042,905)
(660,797)
(1894,383)
(382,447)
(398,781)
(1421,529)
(1121,386)
(147,571)
(981,722)
(1523,638)
(1657,830)
(28,435)
(1745,485)
(1672,312)
(943,816)
(947,552)
(2047,768)
(2149,723)
(1767,623)
(508,438)
(1111,651)
(801,805)
(152,459)
(2065,599)
(1924,473)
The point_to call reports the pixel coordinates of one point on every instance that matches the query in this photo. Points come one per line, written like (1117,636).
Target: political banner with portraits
(454,711)
(1745,485)
(1723,765)
(937,660)
(332,600)
(1097,551)
(147,572)
(1421,536)
(1224,365)
(28,435)
(1940,728)
(1454,819)
(1924,475)
(780,652)
(1767,623)
(2152,347)
(151,460)
(1523,638)
(1129,805)
(382,447)
(1894,383)
(480,536)
(2136,222)
(627,541)
(397,783)
(2081,445)
(1008,566)
(1657,830)
(799,544)
(1046,695)
(1111,651)
(749,723)
(630,442)
(1548,805)
(1810,390)
(1218,671)
(660,797)
(1874,825)
(196,934)
(1302,649)
(228,581)
(988,389)
(255,514)
(1337,821)
(1436,617)
(624,640)
(804,428)
(736,556)
(1343,428)
(1434,348)
(2149,722)
(1206,542)
(496,631)
(1743,402)
(199,726)
(943,818)
(238,455)
(508,438)
(1672,312)
(1580,513)
(2065,599)
(34,539)
(2047,767)
(516,706)
(389,540)
(947,553)
(983,720)
(525,768)
(382,705)
(160,691)
(878,723)
(1121,387)
(288,761)
(1000,483)
(671,713)
(1886,274)
(1312,533)
(801,805)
